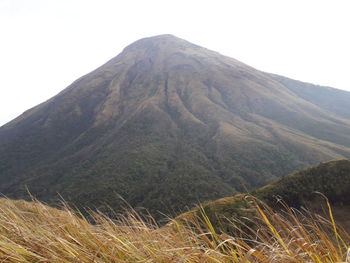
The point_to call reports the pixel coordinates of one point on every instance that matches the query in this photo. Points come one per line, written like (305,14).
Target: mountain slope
(165,124)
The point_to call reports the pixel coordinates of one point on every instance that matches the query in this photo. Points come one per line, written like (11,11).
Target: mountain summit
(167,123)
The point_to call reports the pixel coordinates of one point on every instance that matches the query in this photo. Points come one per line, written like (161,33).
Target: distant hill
(300,189)
(166,124)
(333,100)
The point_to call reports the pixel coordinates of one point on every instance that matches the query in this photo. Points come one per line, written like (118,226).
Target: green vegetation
(166,124)
(305,188)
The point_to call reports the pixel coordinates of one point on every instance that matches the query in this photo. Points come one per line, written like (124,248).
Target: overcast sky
(46,44)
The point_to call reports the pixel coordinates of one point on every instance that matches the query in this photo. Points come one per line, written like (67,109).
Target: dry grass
(33,232)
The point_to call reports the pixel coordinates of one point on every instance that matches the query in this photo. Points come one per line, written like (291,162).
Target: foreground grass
(33,232)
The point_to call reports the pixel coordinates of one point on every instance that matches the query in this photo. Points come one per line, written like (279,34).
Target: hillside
(166,124)
(300,189)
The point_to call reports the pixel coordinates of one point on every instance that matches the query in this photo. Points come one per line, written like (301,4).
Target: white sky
(46,44)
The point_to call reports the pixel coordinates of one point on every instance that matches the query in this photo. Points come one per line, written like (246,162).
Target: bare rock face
(166,124)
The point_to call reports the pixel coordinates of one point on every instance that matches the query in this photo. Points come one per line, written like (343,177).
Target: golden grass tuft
(32,232)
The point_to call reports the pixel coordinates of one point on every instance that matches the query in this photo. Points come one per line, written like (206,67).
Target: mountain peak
(161,37)
(158,39)
(165,42)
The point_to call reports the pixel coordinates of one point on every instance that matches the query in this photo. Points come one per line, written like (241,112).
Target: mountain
(166,124)
(300,189)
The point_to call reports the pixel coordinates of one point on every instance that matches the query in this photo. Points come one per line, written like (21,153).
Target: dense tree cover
(306,188)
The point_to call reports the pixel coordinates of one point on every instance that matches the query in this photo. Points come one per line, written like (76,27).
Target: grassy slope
(32,232)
